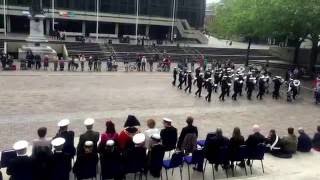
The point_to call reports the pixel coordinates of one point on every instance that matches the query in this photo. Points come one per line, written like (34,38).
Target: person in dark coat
(224,88)
(236,88)
(277,85)
(85,166)
(250,87)
(155,156)
(89,135)
(212,147)
(111,162)
(189,82)
(316,140)
(68,147)
(38,61)
(181,79)
(254,139)
(189,129)
(262,88)
(304,141)
(199,80)
(209,87)
(175,73)
(169,135)
(125,136)
(21,167)
(61,164)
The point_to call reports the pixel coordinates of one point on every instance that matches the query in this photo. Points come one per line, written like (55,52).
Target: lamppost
(137,20)
(52,14)
(5,18)
(173,19)
(97,25)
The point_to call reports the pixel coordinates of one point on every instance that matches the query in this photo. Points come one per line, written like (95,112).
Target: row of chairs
(221,158)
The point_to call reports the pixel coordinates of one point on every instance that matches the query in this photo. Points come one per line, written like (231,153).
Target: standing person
(61,64)
(63,132)
(181,79)
(189,82)
(138,62)
(20,168)
(224,88)
(42,144)
(198,71)
(175,73)
(109,134)
(89,135)
(61,164)
(277,85)
(199,80)
(82,61)
(46,62)
(151,63)
(143,63)
(125,136)
(99,65)
(236,88)
(150,131)
(156,154)
(169,135)
(4,60)
(209,87)
(126,62)
(55,63)
(29,58)
(262,88)
(90,63)
(95,63)
(250,87)
(192,65)
(70,63)
(38,62)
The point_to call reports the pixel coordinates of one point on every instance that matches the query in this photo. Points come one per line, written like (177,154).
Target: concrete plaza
(29,100)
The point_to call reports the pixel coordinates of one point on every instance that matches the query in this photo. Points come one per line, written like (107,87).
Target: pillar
(116,31)
(147,30)
(84,28)
(8,24)
(47,26)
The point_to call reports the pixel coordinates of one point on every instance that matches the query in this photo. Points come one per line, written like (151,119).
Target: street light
(4,18)
(52,14)
(97,25)
(137,20)
(173,18)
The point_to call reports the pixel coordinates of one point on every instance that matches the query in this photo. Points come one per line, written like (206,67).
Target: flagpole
(173,18)
(53,15)
(137,20)
(97,25)
(4,18)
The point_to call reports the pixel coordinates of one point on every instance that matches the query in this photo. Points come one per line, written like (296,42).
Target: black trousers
(249,93)
(174,81)
(180,84)
(260,95)
(208,97)
(235,95)
(223,94)
(188,87)
(276,94)
(198,92)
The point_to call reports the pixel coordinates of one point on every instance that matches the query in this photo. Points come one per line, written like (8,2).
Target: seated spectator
(85,166)
(156,155)
(20,168)
(290,142)
(214,145)
(316,140)
(149,132)
(111,162)
(188,137)
(61,164)
(236,141)
(89,135)
(304,141)
(168,135)
(42,144)
(254,139)
(130,129)
(275,145)
(110,134)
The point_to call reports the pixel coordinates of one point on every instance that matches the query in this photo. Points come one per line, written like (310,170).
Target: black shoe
(196,169)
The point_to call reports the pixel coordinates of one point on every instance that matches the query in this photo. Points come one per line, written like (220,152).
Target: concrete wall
(287,54)
(14,46)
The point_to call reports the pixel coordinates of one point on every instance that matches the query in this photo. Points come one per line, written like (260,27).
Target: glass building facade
(191,10)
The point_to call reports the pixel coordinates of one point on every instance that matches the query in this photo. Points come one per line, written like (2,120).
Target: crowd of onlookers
(134,151)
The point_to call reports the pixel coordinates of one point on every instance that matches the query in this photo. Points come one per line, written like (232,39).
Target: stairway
(88,49)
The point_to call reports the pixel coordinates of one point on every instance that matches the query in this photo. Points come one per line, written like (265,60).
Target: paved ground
(29,100)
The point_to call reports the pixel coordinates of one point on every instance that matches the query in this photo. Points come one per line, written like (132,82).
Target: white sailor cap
(201,74)
(58,142)
(189,72)
(209,79)
(89,122)
(139,138)
(156,136)
(20,145)
(110,142)
(167,120)
(64,122)
(175,67)
(278,77)
(88,143)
